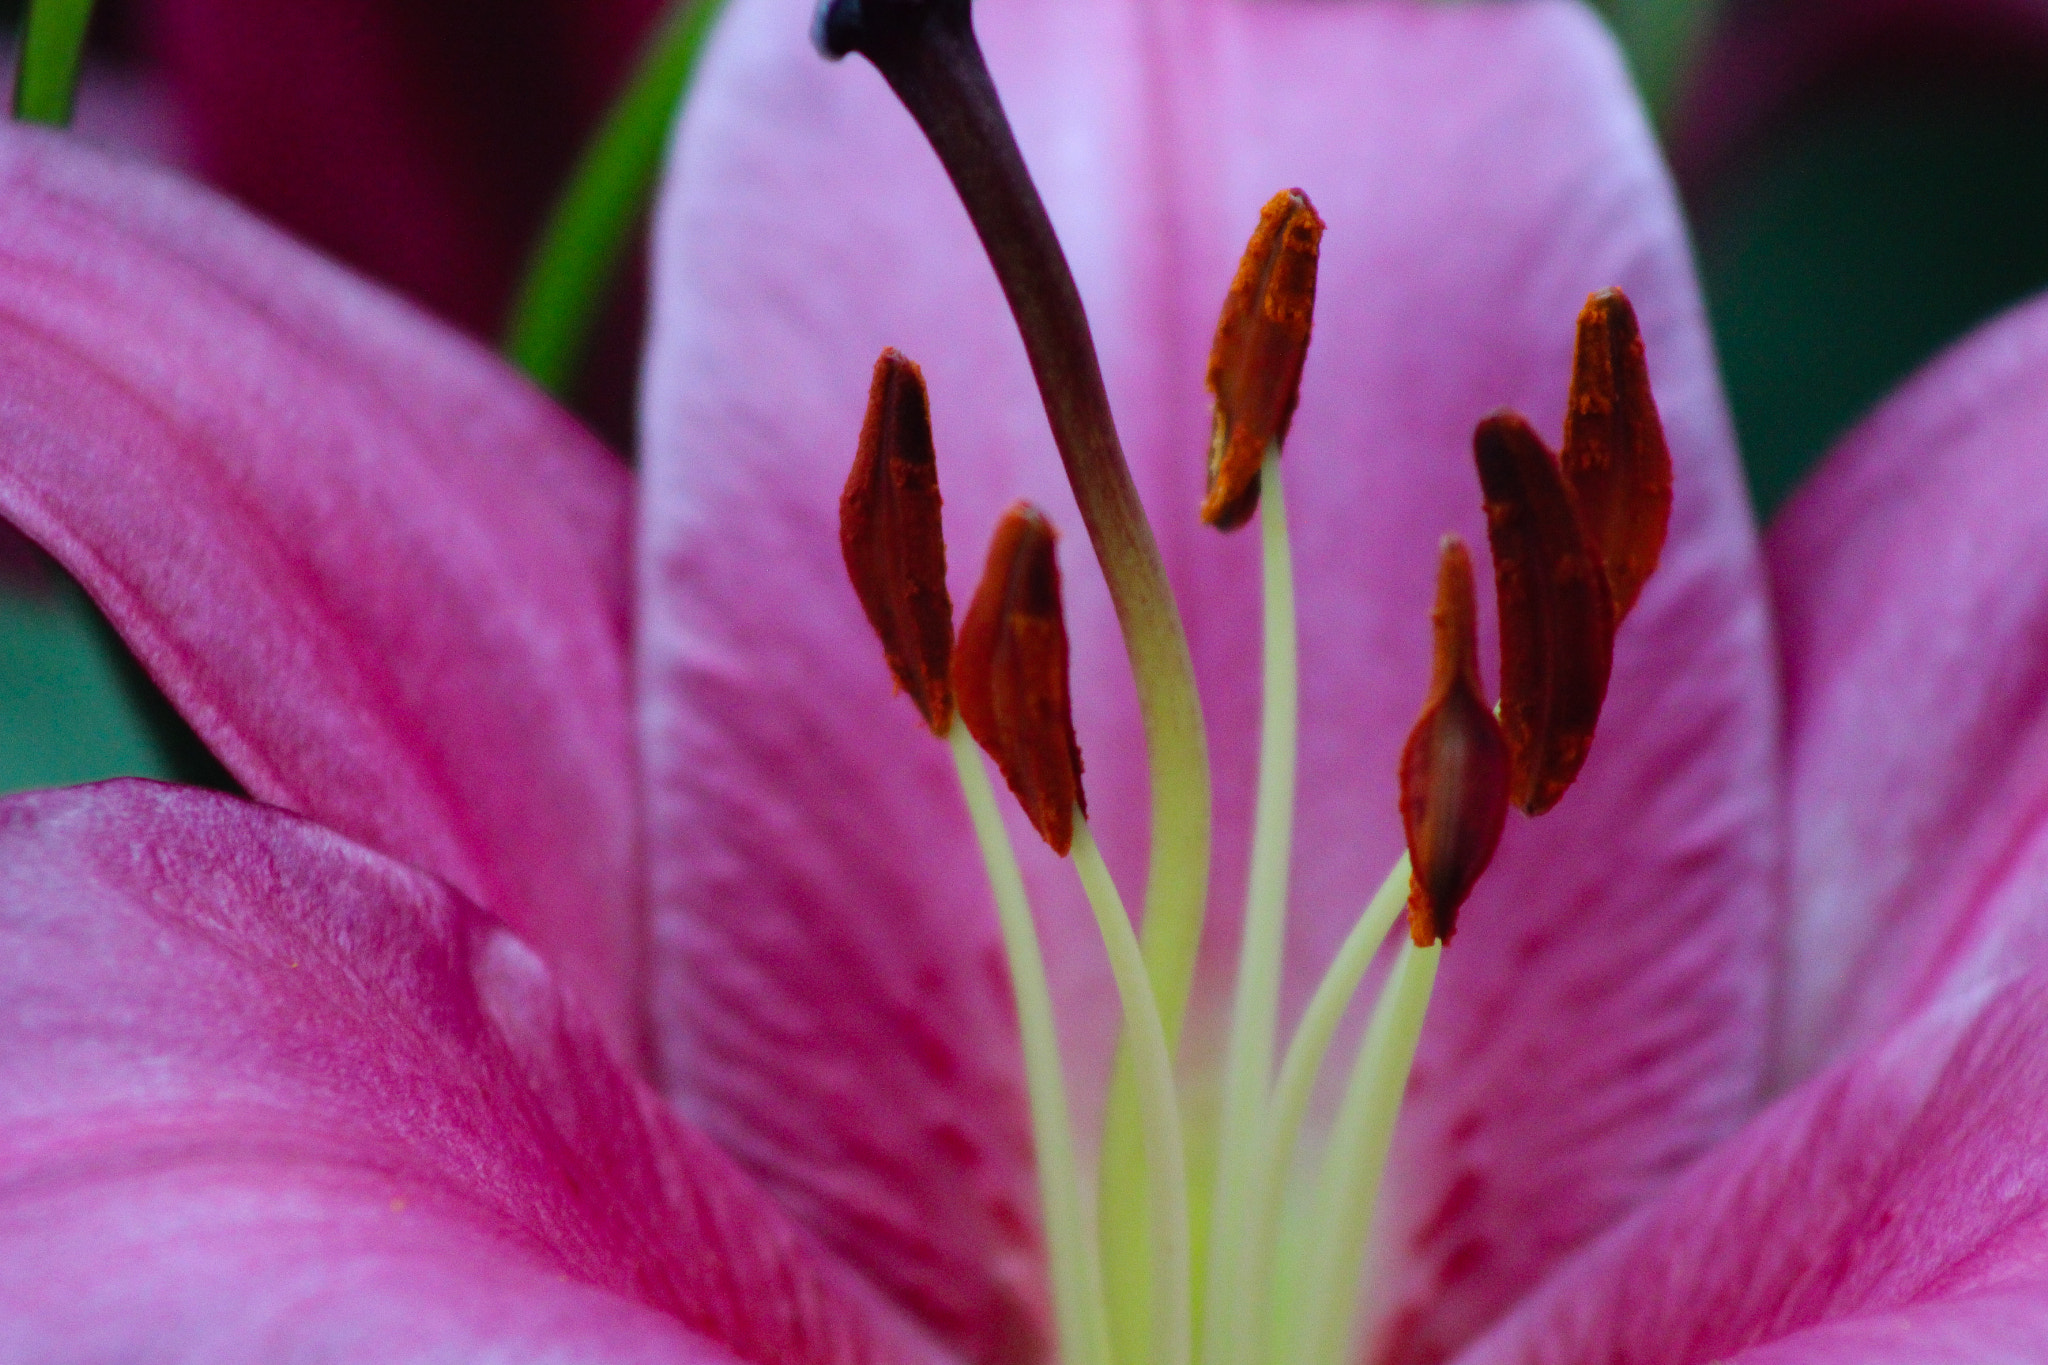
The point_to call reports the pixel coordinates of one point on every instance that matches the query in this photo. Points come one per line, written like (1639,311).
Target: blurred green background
(1867,230)
(1896,203)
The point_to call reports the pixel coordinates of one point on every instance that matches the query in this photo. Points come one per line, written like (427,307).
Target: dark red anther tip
(1556,613)
(1454,770)
(1010,674)
(1255,363)
(890,534)
(1615,458)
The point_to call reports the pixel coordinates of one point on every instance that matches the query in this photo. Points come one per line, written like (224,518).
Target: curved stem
(929,56)
(935,67)
(1298,1072)
(1348,1190)
(52,45)
(591,227)
(1166,1191)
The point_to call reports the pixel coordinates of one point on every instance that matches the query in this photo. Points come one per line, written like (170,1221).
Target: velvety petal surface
(268,1096)
(1894,1208)
(419,140)
(382,577)
(1914,624)
(829,997)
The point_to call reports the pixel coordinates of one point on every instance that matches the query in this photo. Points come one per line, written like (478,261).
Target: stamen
(1355,1162)
(890,532)
(1556,617)
(1151,1061)
(891,536)
(1298,1072)
(1615,459)
(1255,364)
(1010,675)
(1454,770)
(1070,1247)
(1230,1315)
(1572,546)
(927,52)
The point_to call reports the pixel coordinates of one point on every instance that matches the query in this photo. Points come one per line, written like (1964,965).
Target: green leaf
(1661,38)
(67,710)
(53,40)
(592,225)
(1860,240)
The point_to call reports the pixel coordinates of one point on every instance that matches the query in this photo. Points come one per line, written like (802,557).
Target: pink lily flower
(726,1065)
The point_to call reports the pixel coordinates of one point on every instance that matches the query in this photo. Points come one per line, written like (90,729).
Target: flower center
(1258,1277)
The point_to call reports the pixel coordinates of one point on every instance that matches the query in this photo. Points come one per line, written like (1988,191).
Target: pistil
(1573,539)
(927,52)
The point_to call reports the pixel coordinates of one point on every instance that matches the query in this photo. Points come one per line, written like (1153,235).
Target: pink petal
(267,1095)
(829,995)
(419,140)
(2005,1324)
(1914,623)
(1894,1208)
(380,575)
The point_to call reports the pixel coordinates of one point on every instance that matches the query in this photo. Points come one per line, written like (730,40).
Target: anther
(1255,364)
(927,52)
(1010,674)
(1454,770)
(1615,458)
(890,534)
(1556,614)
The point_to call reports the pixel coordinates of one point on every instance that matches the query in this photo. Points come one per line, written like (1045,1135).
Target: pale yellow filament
(1081,1320)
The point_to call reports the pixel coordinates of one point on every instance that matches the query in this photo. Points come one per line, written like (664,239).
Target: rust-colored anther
(1556,615)
(889,532)
(1454,771)
(1010,674)
(1615,459)
(1255,365)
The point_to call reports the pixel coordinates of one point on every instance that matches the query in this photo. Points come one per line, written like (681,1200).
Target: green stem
(929,56)
(591,228)
(1296,1084)
(1347,1192)
(1076,1287)
(52,43)
(1230,1315)
(1159,1106)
